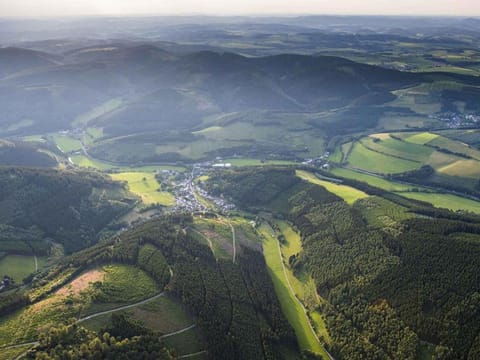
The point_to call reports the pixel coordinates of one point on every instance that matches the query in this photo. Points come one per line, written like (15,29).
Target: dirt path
(192,355)
(178,331)
(233,240)
(296,298)
(120,308)
(35,343)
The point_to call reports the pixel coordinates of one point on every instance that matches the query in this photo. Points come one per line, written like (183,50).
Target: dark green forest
(41,206)
(393,278)
(235,304)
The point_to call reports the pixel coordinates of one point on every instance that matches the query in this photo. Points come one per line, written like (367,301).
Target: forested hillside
(393,281)
(234,303)
(68,207)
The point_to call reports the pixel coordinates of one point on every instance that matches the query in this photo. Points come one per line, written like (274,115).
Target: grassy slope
(421,138)
(66,143)
(372,180)
(363,158)
(83,161)
(256,162)
(447,201)
(289,304)
(348,193)
(123,284)
(303,285)
(146,186)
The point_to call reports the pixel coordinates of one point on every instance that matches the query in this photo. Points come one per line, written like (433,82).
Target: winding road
(125,307)
(120,308)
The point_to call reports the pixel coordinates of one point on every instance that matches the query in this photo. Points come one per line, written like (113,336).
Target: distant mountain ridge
(51,90)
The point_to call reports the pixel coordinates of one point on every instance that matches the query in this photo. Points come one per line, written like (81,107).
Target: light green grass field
(256,162)
(421,138)
(83,161)
(455,146)
(397,148)
(363,158)
(347,193)
(146,186)
(447,201)
(290,305)
(34,138)
(462,168)
(19,266)
(303,285)
(372,180)
(67,143)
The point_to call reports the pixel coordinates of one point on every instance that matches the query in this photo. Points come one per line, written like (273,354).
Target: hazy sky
(226,7)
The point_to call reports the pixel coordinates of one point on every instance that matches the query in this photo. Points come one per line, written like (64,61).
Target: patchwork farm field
(146,186)
(363,158)
(453,162)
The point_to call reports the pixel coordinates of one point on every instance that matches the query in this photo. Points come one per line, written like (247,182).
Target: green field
(347,193)
(455,146)
(421,138)
(164,315)
(446,201)
(462,168)
(290,305)
(372,180)
(146,186)
(87,162)
(363,158)
(187,342)
(302,283)
(256,162)
(106,107)
(397,148)
(67,143)
(34,138)
(19,266)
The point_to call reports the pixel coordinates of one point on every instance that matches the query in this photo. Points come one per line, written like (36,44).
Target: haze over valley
(239,187)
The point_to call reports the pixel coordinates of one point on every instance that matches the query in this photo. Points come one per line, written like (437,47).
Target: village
(456,120)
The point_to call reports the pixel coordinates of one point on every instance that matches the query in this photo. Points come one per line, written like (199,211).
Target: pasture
(146,186)
(362,158)
(421,138)
(446,201)
(88,162)
(67,143)
(19,266)
(347,193)
(372,180)
(290,305)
